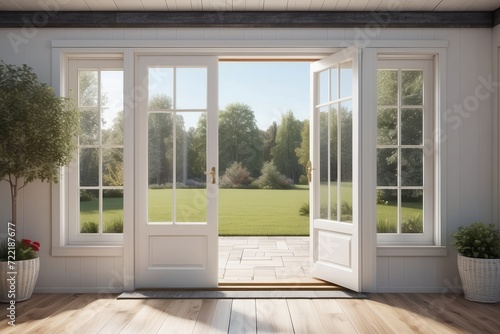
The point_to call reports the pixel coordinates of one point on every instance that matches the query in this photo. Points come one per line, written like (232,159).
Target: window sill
(88,251)
(412,250)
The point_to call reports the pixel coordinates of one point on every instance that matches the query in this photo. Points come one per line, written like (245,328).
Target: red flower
(36,243)
(27,242)
(35,247)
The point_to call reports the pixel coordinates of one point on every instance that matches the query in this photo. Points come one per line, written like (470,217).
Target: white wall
(469,148)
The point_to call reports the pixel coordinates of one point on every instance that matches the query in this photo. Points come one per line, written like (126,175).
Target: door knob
(212,174)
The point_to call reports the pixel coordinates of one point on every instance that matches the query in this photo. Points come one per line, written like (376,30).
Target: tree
(37,130)
(288,139)
(269,141)
(302,151)
(239,138)
(198,147)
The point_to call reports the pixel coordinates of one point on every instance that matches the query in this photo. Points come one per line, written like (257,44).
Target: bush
(86,196)
(412,224)
(304,209)
(477,240)
(115,226)
(236,176)
(385,226)
(89,227)
(272,179)
(303,180)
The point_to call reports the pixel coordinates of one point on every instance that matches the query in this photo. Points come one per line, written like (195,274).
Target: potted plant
(37,136)
(478,260)
(20,286)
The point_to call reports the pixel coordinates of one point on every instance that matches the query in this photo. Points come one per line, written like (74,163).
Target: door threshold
(313,284)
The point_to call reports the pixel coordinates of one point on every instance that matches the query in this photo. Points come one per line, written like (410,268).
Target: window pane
(346,161)
(112,211)
(324,160)
(387,211)
(323,87)
(334,84)
(89,125)
(387,126)
(88,91)
(191,197)
(112,167)
(161,88)
(412,167)
(160,166)
(346,79)
(412,211)
(412,88)
(89,211)
(191,88)
(112,107)
(387,167)
(412,121)
(387,88)
(89,167)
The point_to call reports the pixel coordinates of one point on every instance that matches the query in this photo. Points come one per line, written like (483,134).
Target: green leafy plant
(89,227)
(25,249)
(412,224)
(477,240)
(37,130)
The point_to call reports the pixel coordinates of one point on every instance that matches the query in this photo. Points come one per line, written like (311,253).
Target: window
(405,167)
(95,177)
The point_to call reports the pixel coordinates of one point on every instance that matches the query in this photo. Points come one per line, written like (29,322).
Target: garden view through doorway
(263,190)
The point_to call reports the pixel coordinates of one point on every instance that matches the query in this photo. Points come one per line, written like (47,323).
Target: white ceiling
(249,5)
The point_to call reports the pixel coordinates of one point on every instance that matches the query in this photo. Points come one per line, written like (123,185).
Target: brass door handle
(212,174)
(309,171)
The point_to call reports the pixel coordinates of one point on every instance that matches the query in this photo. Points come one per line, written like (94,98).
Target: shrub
(114,226)
(477,240)
(89,227)
(304,209)
(272,179)
(86,196)
(303,180)
(236,176)
(412,224)
(385,226)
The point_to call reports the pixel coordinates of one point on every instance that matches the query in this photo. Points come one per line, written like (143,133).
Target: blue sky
(269,88)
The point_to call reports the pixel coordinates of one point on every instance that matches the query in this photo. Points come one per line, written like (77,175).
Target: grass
(112,215)
(242,211)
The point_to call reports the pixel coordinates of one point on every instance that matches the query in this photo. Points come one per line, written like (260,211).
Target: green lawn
(241,211)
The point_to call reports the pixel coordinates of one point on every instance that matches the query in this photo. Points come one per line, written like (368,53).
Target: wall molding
(248,19)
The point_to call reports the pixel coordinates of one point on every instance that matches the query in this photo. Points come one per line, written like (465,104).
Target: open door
(334,169)
(176,239)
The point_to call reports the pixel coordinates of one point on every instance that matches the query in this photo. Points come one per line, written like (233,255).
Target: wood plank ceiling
(250,5)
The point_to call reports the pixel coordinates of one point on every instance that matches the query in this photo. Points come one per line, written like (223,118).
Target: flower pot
(480,279)
(25,279)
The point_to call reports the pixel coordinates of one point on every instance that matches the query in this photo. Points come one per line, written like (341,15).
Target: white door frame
(296,48)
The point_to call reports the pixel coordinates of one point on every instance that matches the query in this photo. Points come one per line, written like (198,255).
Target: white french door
(334,169)
(176,237)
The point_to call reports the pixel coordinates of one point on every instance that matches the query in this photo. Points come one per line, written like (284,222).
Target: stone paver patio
(264,259)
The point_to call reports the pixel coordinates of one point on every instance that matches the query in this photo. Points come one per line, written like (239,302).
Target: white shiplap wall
(469,149)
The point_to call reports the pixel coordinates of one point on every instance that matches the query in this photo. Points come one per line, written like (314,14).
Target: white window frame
(66,239)
(431,244)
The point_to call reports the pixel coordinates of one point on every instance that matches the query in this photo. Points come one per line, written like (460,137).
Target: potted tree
(37,136)
(478,260)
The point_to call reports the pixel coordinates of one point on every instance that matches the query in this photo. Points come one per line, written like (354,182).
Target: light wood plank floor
(382,313)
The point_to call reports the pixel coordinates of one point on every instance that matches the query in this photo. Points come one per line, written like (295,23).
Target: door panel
(335,253)
(176,223)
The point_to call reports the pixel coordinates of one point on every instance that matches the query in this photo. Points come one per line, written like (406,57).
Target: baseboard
(101,290)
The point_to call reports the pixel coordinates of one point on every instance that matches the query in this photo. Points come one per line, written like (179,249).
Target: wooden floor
(382,313)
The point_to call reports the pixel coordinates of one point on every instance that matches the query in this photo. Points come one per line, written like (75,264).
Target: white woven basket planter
(480,279)
(27,274)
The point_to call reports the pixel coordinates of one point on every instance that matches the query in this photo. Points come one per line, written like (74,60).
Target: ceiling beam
(320,19)
(496,17)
